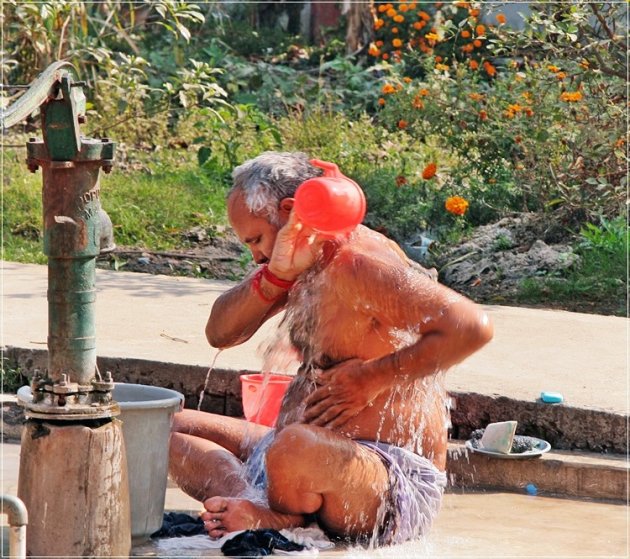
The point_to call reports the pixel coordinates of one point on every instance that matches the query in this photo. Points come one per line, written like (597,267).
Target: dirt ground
(487,267)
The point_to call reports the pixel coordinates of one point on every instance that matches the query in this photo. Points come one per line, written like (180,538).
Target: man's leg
(206,452)
(310,470)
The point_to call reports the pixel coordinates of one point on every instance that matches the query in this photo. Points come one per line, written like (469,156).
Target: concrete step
(565,427)
(575,474)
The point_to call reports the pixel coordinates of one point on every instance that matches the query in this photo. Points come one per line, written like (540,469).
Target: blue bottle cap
(551,397)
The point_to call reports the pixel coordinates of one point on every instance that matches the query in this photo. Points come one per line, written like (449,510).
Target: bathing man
(360,444)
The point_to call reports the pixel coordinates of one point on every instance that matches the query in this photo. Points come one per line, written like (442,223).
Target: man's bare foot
(226,514)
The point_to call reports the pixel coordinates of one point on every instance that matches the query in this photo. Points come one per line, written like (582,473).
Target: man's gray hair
(271,177)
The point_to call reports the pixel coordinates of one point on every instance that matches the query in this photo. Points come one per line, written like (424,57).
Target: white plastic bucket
(147,416)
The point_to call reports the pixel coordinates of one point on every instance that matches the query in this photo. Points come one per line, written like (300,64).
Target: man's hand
(296,249)
(344,391)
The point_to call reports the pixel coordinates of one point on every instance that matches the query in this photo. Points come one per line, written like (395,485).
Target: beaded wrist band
(275,280)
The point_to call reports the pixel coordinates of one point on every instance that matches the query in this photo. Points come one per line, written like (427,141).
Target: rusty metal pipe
(17,518)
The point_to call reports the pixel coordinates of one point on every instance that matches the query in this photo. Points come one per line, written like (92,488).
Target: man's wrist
(273,278)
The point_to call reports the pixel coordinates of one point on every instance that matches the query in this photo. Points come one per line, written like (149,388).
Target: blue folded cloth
(258,543)
(177,524)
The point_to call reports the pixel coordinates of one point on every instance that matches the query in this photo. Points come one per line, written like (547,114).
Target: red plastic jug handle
(330,169)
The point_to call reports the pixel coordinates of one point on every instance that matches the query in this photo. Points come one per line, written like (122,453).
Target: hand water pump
(73,475)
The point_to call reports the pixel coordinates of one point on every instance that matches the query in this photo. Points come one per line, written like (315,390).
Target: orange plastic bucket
(262,396)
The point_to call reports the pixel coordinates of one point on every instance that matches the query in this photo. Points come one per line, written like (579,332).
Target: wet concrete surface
(470,524)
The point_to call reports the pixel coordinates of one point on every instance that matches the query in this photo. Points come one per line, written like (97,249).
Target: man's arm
(238,313)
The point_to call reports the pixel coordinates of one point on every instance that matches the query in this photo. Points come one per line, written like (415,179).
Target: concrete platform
(471,524)
(162,319)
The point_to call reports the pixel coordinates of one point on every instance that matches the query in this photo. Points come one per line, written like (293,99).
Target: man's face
(254,231)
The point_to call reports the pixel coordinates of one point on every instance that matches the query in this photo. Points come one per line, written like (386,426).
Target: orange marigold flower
(489,68)
(438,58)
(528,111)
(385,56)
(429,171)
(465,34)
(473,64)
(476,96)
(456,205)
(399,18)
(553,68)
(388,87)
(424,92)
(480,29)
(391,12)
(474,12)
(477,43)
(571,96)
(402,124)
(443,67)
(378,24)
(401,181)
(403,7)
(397,43)
(417,25)
(515,108)
(381,101)
(501,19)
(620,142)
(373,51)
(379,43)
(412,6)
(417,103)
(394,30)
(561,75)
(407,79)
(483,115)
(468,48)
(424,16)
(382,8)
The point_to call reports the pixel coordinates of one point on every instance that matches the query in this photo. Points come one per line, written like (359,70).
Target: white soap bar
(498,437)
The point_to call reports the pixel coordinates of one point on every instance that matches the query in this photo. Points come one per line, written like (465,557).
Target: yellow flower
(456,205)
(431,37)
(429,171)
(441,67)
(571,96)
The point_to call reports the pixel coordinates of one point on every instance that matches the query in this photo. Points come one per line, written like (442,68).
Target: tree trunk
(360,31)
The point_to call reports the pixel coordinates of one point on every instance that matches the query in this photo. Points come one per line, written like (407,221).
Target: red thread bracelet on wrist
(256,288)
(275,280)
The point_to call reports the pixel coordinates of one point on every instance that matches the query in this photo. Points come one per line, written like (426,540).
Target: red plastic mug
(332,203)
(262,396)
